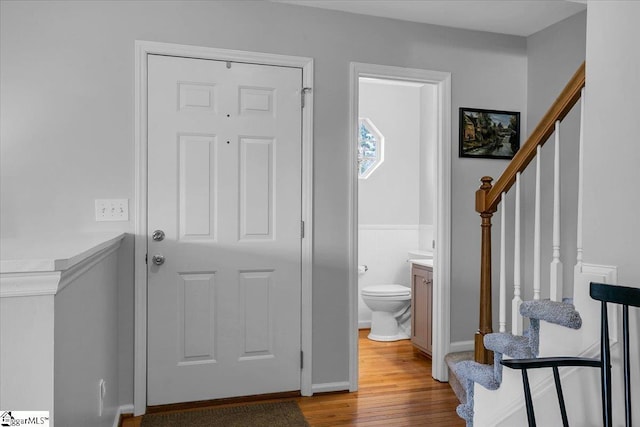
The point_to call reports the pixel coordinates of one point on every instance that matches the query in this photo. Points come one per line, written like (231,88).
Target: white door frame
(142,50)
(442,254)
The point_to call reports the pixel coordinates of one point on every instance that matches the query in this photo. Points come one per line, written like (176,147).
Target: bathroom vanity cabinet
(421,306)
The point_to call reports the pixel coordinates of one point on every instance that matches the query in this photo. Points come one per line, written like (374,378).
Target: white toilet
(391,314)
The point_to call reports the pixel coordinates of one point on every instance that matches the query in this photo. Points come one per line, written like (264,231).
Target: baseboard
(458,346)
(124,409)
(364,324)
(329,387)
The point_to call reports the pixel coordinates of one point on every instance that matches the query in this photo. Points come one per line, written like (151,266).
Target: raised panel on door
(197,185)
(196,315)
(224,179)
(256,314)
(256,188)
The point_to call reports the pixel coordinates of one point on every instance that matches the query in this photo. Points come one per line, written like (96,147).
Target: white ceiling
(516,17)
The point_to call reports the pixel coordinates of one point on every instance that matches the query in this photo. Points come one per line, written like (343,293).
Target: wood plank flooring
(395,389)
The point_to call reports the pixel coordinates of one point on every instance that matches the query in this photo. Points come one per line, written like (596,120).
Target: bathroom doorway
(400,134)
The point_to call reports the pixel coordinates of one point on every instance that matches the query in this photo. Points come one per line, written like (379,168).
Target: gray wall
(67,112)
(554,54)
(86,347)
(612,155)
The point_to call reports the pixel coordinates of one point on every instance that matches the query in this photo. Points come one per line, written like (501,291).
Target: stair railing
(489,196)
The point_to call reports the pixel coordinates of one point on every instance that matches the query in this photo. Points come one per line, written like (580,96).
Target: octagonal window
(370,148)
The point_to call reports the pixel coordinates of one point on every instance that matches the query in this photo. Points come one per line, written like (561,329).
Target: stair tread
(477,372)
(453,358)
(559,313)
(457,385)
(515,346)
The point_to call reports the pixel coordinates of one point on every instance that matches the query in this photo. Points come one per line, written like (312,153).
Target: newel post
(482,355)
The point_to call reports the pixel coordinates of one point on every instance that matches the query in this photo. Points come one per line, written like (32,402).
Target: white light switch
(112,209)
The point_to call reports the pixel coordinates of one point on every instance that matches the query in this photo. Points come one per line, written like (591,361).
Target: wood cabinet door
(421,307)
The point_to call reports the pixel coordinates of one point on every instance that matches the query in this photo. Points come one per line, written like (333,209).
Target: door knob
(158,259)
(158,235)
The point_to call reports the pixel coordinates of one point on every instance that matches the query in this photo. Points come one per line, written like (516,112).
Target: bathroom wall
(389,200)
(390,194)
(427,170)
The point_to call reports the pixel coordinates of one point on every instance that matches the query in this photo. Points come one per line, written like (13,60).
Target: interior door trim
(142,50)
(442,252)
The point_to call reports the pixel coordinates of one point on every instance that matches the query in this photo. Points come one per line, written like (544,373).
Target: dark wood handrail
(487,201)
(488,196)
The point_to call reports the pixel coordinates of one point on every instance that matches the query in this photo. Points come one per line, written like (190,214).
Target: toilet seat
(386,291)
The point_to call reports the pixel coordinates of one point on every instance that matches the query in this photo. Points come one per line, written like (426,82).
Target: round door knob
(158,235)
(158,259)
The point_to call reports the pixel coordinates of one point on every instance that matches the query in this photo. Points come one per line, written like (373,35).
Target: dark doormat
(277,414)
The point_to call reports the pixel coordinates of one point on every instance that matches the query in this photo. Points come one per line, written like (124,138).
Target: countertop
(54,252)
(425,262)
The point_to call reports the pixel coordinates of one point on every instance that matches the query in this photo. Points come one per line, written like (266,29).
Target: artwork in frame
(489,134)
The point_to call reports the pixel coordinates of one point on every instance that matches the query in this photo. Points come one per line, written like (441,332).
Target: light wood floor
(395,389)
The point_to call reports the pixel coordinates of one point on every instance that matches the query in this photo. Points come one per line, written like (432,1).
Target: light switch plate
(112,209)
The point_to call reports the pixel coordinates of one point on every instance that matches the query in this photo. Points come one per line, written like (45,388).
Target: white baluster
(516,318)
(555,270)
(536,232)
(502,321)
(580,187)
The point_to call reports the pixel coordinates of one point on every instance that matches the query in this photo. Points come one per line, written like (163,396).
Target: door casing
(142,50)
(441,280)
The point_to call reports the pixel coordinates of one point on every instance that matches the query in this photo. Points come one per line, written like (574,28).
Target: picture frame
(488,134)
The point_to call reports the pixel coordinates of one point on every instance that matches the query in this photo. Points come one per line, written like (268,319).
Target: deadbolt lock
(158,235)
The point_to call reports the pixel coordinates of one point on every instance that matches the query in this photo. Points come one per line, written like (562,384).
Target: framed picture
(489,134)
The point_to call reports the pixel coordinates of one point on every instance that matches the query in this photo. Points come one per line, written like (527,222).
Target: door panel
(256,189)
(224,179)
(197,200)
(196,329)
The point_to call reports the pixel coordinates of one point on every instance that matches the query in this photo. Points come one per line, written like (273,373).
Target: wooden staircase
(489,195)
(555,325)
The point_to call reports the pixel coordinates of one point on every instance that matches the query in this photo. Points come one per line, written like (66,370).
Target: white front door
(224,174)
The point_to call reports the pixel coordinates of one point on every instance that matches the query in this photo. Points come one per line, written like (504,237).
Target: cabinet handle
(426,282)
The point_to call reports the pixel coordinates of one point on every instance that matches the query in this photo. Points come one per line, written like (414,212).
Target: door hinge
(302,229)
(145,259)
(303,92)
(301,359)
